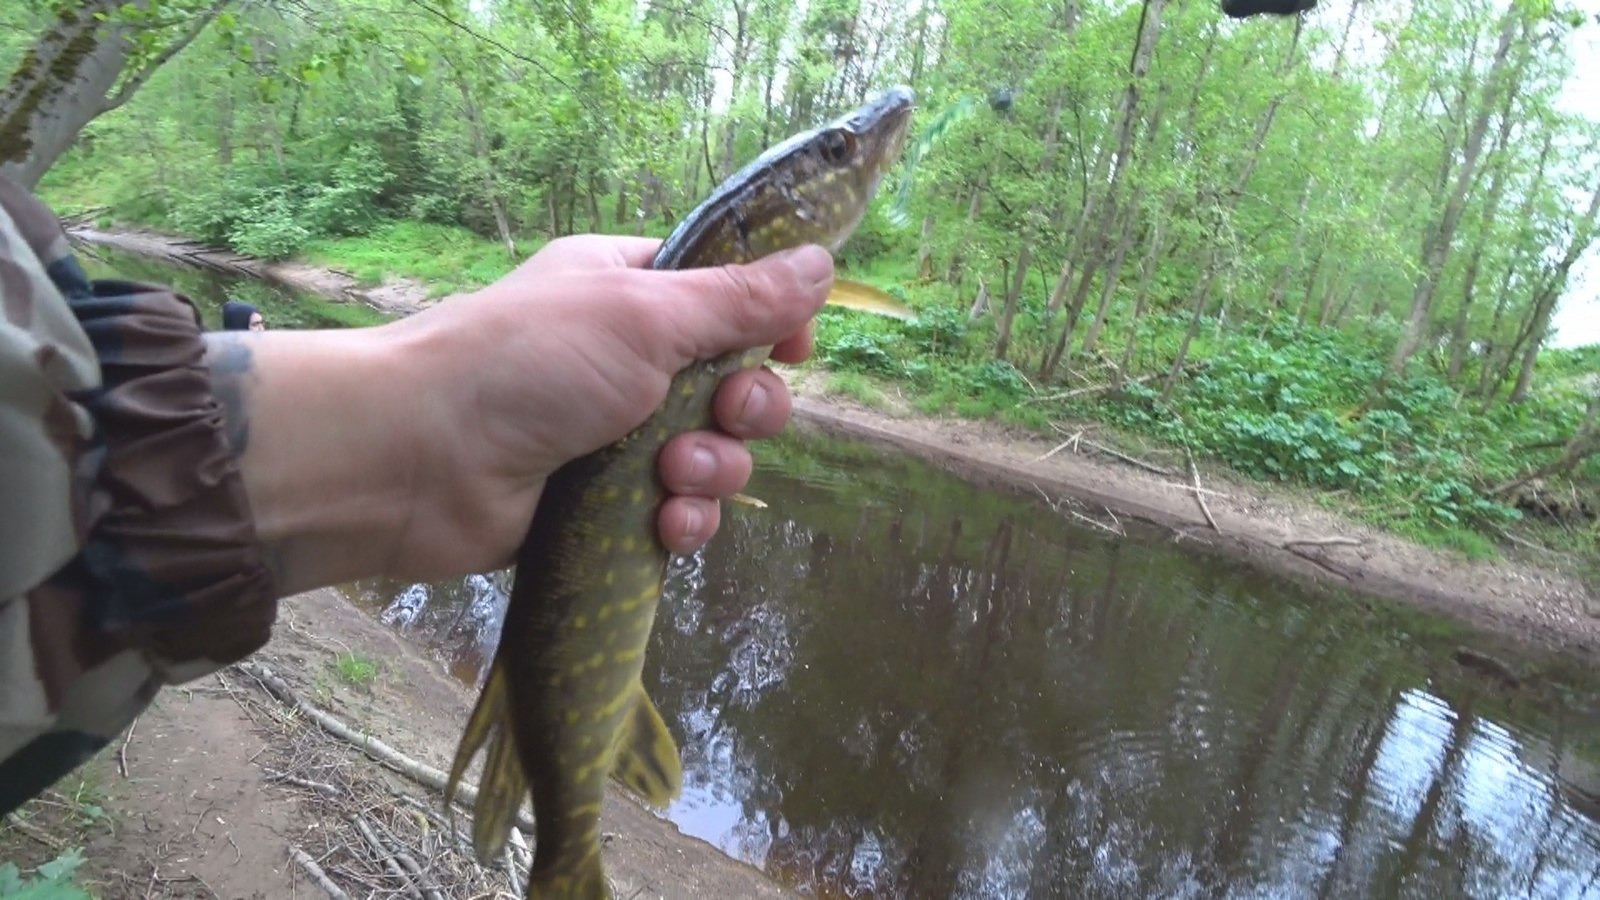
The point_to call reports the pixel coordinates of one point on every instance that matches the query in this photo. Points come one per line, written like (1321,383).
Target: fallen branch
(1069,442)
(1322,542)
(321,787)
(317,875)
(1199,498)
(421,773)
(1312,558)
(1091,389)
(33,832)
(430,888)
(385,856)
(1137,463)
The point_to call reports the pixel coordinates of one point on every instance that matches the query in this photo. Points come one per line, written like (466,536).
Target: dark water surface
(893,684)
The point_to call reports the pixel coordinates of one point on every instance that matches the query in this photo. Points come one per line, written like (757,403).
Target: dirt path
(219,776)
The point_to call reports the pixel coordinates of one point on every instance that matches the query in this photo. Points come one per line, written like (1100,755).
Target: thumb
(717,309)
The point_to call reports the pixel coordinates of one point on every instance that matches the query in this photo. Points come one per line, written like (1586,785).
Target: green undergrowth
(1276,402)
(52,881)
(448,258)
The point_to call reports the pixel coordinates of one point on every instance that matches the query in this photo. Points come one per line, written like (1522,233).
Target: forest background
(1343,251)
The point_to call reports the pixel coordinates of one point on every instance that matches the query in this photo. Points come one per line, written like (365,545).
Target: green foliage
(255,211)
(357,670)
(52,881)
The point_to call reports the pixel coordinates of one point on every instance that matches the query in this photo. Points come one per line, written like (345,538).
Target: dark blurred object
(1000,101)
(1244,9)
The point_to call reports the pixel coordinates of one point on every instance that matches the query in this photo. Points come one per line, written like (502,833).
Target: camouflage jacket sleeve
(128,557)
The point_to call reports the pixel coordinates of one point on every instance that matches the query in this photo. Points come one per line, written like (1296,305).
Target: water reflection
(890,684)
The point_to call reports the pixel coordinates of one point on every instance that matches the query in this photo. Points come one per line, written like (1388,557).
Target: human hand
(572,351)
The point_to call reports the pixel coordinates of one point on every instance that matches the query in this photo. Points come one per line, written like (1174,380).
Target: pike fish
(564,709)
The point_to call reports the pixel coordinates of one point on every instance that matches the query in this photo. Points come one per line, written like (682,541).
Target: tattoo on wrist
(233,380)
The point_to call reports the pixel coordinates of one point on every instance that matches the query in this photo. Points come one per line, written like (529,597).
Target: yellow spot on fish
(629,545)
(611,578)
(572,719)
(580,621)
(637,497)
(605,611)
(609,492)
(605,540)
(687,390)
(623,656)
(597,660)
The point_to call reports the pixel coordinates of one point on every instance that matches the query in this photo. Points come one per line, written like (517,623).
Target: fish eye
(838,145)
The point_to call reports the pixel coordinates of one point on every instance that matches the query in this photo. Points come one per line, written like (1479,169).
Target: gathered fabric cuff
(171,548)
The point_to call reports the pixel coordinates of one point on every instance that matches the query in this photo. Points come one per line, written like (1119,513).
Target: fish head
(813,188)
(847,160)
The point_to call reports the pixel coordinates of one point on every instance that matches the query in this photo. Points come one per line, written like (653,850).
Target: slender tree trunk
(1138,66)
(1436,246)
(491,194)
(1141,294)
(1548,294)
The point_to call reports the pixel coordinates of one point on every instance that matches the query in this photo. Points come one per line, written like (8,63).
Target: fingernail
(813,263)
(755,404)
(702,463)
(693,522)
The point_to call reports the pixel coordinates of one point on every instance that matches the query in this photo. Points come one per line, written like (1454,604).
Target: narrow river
(890,683)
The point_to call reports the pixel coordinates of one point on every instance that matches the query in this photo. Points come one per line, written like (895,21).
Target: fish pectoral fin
(504,785)
(866,298)
(647,757)
(748,500)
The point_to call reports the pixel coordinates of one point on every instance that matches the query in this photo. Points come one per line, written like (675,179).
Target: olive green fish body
(564,698)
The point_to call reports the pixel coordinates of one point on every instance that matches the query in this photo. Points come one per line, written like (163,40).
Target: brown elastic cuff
(172,545)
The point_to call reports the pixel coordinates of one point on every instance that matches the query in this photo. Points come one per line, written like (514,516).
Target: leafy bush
(51,881)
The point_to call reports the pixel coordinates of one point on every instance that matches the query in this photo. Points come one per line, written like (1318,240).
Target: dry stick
(1069,442)
(1137,463)
(316,873)
(430,888)
(122,751)
(34,832)
(1323,542)
(421,773)
(1091,389)
(321,787)
(1313,559)
(386,856)
(1199,498)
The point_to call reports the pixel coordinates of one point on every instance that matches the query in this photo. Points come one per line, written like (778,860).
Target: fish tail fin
(647,757)
(866,298)
(503,785)
(587,882)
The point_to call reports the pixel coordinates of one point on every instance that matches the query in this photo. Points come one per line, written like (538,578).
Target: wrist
(318,422)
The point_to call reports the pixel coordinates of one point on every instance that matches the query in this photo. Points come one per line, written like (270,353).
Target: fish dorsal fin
(866,298)
(647,757)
